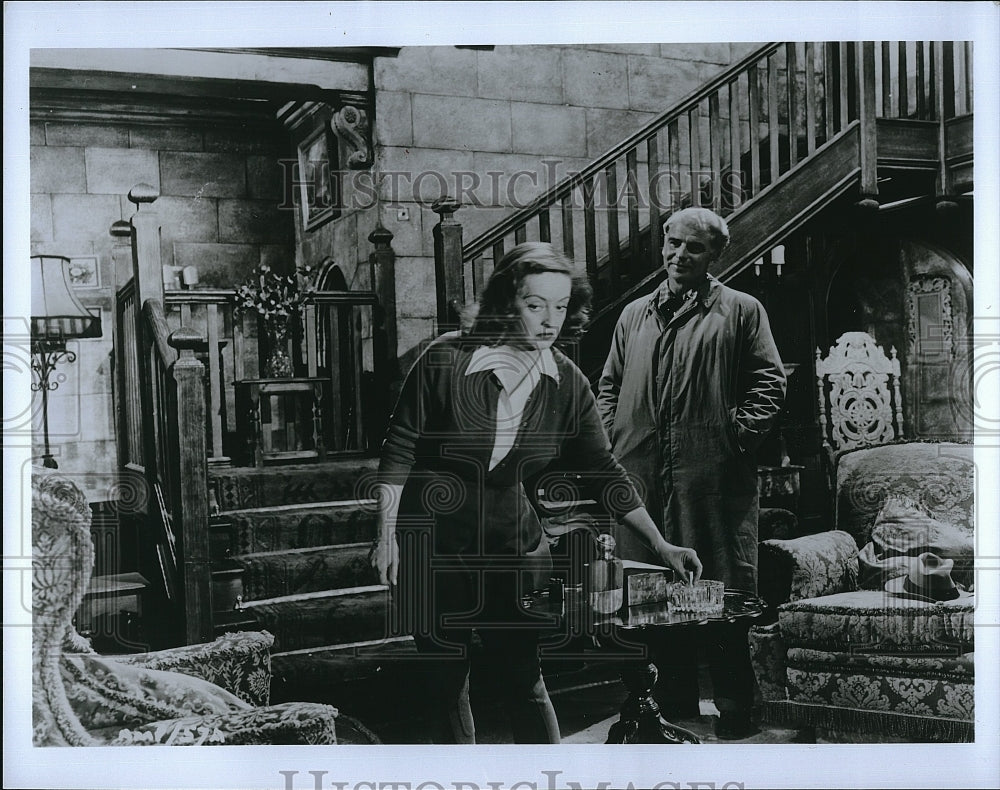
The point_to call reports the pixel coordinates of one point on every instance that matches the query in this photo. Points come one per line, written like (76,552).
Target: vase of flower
(278,301)
(278,365)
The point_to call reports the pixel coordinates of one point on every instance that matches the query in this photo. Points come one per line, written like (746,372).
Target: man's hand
(683,561)
(384,558)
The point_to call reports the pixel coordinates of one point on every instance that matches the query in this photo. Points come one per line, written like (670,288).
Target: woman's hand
(684,562)
(384,557)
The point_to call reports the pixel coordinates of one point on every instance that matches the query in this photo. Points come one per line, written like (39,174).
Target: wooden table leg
(640,720)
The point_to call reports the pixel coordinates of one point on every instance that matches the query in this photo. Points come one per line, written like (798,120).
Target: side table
(280,419)
(628,630)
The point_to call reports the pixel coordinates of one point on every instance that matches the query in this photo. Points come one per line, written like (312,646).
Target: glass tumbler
(706,596)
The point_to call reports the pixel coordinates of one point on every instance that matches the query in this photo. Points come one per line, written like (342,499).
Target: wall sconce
(777,260)
(56,316)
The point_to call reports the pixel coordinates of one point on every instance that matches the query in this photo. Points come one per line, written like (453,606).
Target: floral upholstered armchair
(847,655)
(202,694)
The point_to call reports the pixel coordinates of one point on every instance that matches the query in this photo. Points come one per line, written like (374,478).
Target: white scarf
(518,371)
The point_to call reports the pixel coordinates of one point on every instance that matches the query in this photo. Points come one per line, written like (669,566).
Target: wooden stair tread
(116,584)
(317,596)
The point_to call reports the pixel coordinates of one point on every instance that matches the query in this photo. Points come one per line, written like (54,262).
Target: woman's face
(542,302)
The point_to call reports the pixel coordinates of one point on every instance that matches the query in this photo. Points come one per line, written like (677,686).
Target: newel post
(188,373)
(449,273)
(383,274)
(869,139)
(147,270)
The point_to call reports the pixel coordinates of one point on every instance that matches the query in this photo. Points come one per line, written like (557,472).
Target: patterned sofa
(862,664)
(197,695)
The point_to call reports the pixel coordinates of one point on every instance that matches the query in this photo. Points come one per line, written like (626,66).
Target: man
(692,385)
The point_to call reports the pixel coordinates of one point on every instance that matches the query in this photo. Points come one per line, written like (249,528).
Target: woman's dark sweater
(441,438)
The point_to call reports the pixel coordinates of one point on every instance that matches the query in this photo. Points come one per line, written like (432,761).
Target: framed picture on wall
(319,193)
(84,272)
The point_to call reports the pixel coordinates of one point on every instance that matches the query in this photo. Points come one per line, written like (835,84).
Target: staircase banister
(342,297)
(564,187)
(152,311)
(200,296)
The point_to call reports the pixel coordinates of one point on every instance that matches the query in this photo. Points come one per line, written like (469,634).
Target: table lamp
(56,316)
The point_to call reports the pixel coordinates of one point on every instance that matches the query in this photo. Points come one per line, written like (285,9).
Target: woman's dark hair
(496,316)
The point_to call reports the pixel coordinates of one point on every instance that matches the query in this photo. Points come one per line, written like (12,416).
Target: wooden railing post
(944,82)
(449,273)
(122,268)
(148,272)
(383,263)
(869,140)
(188,374)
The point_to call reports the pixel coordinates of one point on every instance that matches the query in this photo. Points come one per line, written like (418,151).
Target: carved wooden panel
(930,322)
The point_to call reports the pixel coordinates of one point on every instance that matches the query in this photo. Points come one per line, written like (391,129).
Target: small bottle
(604,578)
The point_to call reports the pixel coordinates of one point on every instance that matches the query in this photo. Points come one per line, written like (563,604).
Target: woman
(477,416)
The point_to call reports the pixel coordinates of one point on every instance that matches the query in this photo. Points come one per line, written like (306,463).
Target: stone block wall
(496,127)
(220,190)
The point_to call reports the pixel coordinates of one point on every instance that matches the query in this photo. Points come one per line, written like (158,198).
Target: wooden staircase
(299,537)
(769,144)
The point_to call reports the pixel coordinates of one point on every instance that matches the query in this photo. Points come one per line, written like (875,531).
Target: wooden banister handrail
(225,296)
(152,311)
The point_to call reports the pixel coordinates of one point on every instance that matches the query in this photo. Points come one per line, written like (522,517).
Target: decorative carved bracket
(351,125)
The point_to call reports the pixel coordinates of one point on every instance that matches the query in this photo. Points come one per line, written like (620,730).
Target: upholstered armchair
(202,694)
(848,657)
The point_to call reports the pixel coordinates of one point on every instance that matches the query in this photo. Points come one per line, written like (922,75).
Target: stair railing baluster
(844,77)
(773,120)
(921,86)
(715,152)
(544,229)
(753,87)
(831,91)
(632,180)
(655,198)
(674,165)
(810,98)
(886,83)
(733,185)
(792,70)
(901,81)
(215,404)
(590,229)
(566,213)
(611,208)
(694,149)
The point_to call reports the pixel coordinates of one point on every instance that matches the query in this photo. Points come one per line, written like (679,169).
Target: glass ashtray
(705,596)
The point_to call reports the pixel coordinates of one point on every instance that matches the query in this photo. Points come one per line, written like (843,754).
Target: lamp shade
(56,313)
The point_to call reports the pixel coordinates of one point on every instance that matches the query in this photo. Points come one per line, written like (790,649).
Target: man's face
(687,252)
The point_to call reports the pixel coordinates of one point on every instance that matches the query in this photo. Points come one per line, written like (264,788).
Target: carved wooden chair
(860,404)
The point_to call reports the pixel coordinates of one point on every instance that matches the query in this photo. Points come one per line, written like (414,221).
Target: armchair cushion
(291,723)
(939,476)
(807,567)
(238,662)
(873,621)
(905,529)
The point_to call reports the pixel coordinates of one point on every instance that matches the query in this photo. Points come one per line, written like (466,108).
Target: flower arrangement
(279,300)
